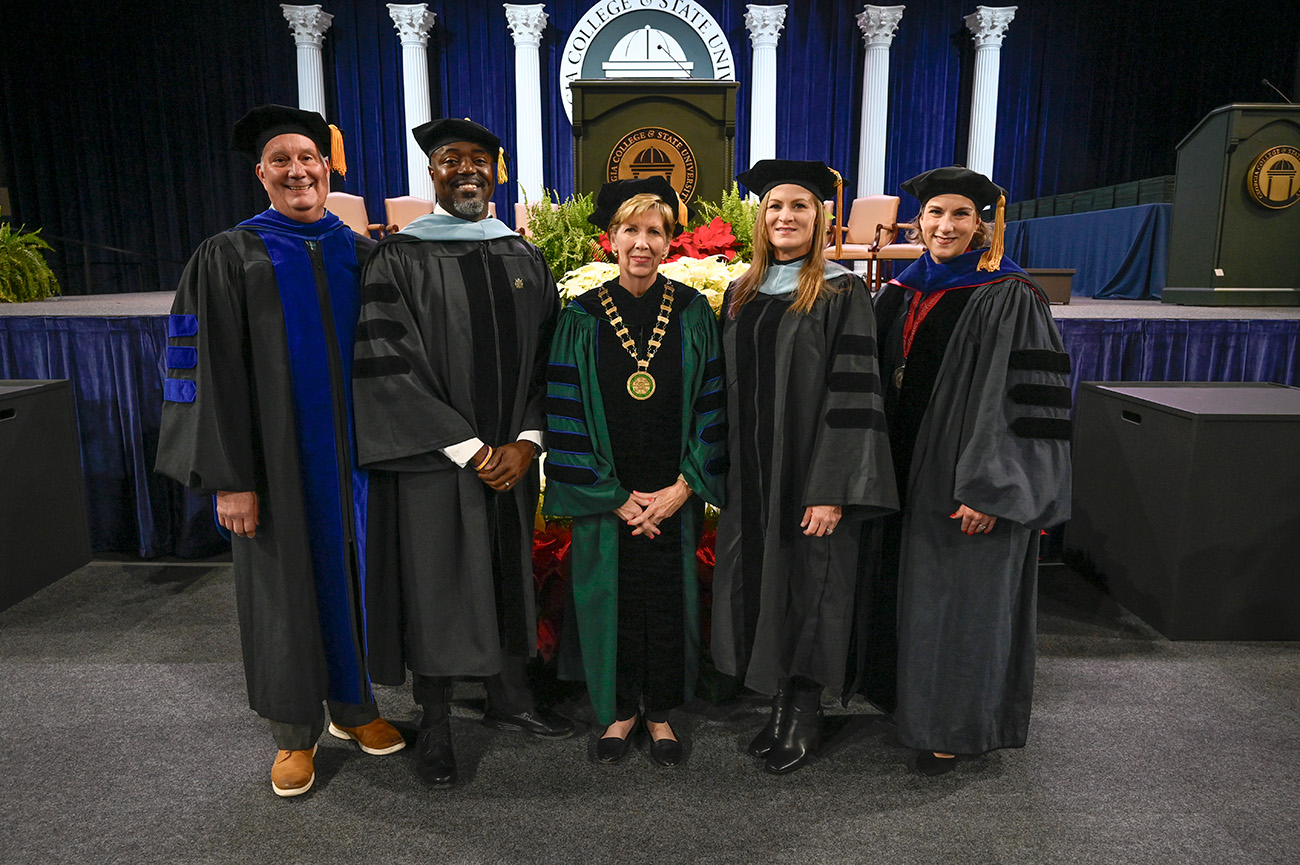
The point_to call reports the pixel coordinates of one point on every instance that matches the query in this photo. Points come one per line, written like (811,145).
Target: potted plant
(24,273)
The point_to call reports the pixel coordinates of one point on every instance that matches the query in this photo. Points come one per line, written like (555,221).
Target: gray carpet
(129,740)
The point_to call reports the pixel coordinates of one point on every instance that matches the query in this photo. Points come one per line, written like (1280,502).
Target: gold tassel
(839,213)
(683,214)
(502,177)
(338,159)
(992,259)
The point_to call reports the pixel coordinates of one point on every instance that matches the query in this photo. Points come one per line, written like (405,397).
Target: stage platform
(112,347)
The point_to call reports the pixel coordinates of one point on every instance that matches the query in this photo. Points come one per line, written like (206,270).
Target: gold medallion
(641,385)
(898,375)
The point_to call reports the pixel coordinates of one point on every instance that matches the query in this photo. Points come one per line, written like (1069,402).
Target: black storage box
(1187,502)
(43,530)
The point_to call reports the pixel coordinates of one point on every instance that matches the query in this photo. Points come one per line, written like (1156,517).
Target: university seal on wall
(653,150)
(1274,178)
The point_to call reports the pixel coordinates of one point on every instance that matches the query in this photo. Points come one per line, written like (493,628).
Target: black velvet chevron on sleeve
(568,442)
(856,418)
(578,476)
(1040,360)
(561,407)
(1047,395)
(1041,428)
(381,328)
(377,367)
(380,292)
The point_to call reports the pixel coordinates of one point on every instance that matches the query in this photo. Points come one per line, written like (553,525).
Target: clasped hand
(645,511)
(507,466)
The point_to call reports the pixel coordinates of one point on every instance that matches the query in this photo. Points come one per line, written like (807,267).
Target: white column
(413,23)
(878,25)
(988,24)
(309,24)
(764,25)
(526,26)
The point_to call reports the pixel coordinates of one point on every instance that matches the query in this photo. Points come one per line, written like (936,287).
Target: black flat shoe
(930,765)
(611,749)
(435,762)
(666,752)
(533,723)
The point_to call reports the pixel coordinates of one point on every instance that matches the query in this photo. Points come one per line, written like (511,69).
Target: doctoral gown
(257,398)
(583,482)
(981,419)
(456,325)
(807,427)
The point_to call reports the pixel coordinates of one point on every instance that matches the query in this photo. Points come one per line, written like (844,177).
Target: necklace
(640,384)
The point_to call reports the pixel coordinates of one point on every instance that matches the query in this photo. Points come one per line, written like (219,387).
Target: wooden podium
(1236,220)
(683,130)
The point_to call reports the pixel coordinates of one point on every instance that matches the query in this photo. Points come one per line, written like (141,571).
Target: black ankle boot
(766,737)
(800,734)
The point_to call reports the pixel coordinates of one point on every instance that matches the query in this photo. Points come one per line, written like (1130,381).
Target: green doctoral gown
(581,483)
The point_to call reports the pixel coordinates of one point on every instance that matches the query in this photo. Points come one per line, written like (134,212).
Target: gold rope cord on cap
(338,159)
(839,213)
(992,258)
(502,177)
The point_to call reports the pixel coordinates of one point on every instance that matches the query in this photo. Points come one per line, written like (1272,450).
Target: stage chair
(521,217)
(892,252)
(869,227)
(352,210)
(405,209)
(400,211)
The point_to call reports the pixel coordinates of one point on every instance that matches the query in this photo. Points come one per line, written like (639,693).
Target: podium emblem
(1274,178)
(653,150)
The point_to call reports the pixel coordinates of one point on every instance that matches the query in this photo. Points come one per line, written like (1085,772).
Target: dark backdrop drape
(115,117)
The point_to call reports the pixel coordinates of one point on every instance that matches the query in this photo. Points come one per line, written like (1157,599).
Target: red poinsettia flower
(716,238)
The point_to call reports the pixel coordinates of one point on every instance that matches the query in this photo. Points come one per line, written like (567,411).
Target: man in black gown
(450,386)
(256,411)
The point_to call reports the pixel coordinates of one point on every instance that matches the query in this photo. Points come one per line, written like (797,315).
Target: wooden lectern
(1236,220)
(683,130)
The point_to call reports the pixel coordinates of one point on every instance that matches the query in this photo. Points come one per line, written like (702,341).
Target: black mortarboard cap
(812,175)
(954,180)
(612,195)
(265,122)
(437,133)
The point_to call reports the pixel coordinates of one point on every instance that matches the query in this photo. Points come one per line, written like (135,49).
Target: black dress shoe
(800,735)
(434,761)
(930,765)
(666,752)
(533,723)
(766,737)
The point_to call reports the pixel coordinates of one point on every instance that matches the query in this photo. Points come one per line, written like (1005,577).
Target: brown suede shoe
(293,772)
(377,737)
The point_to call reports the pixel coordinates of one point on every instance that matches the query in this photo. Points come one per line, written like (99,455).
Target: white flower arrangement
(710,276)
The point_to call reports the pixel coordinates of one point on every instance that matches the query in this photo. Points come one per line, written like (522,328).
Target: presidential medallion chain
(640,384)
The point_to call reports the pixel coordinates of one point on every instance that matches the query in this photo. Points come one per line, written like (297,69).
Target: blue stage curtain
(116,370)
(115,127)
(1120,253)
(1182,350)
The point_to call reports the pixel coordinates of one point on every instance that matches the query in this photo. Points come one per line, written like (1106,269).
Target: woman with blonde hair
(635,437)
(810,465)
